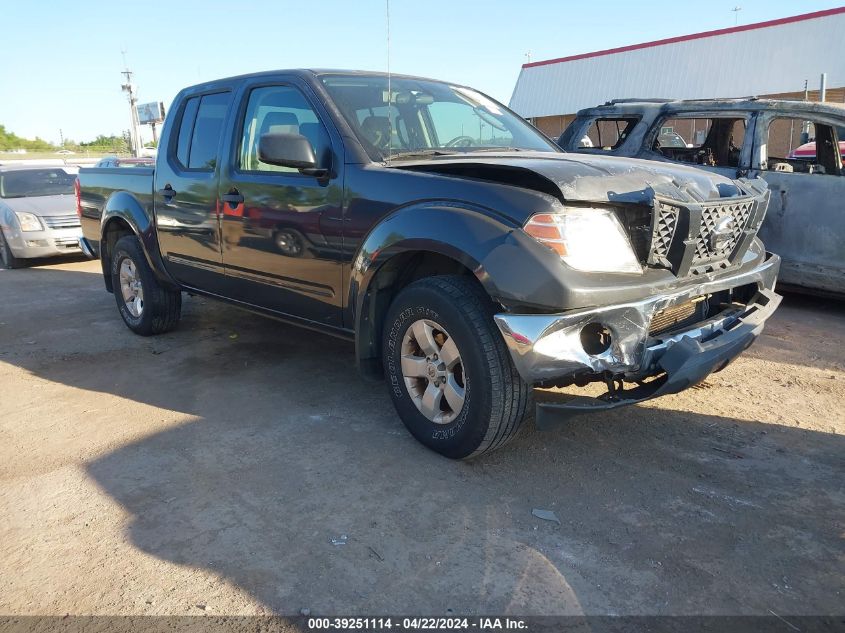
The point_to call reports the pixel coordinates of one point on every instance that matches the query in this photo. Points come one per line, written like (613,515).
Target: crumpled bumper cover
(545,347)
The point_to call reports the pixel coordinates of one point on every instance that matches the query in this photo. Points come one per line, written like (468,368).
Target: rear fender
(125,209)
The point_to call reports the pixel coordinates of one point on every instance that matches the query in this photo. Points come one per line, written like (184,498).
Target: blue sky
(62,60)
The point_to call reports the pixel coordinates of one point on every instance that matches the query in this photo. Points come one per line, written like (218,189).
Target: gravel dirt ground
(211,471)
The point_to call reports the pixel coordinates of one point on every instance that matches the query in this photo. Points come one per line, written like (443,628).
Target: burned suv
(795,146)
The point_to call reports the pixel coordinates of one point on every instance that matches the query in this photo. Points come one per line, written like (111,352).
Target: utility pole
(61,138)
(736,11)
(135,128)
(805,125)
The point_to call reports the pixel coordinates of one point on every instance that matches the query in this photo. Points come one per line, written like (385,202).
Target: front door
(186,193)
(800,159)
(281,228)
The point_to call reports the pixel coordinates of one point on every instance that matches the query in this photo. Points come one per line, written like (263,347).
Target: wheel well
(114,230)
(394,275)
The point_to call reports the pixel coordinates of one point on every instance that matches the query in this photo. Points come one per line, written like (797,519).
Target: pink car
(807,151)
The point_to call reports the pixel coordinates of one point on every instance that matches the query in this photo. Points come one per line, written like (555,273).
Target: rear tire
(7,258)
(145,305)
(459,408)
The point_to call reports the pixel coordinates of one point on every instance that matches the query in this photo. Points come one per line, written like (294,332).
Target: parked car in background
(464,253)
(37,213)
(807,151)
(125,161)
(795,146)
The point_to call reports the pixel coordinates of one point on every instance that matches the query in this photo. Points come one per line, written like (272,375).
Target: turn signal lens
(545,228)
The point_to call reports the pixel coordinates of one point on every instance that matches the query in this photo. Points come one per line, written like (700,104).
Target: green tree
(10,140)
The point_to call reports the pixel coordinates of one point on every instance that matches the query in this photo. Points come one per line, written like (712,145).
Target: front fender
(455,232)
(124,208)
(510,265)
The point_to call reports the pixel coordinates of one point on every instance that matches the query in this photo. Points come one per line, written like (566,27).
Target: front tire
(145,305)
(449,371)
(7,257)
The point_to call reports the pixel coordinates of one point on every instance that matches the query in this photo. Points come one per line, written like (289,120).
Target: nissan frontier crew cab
(466,255)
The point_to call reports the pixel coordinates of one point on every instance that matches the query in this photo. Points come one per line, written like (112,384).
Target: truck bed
(98,184)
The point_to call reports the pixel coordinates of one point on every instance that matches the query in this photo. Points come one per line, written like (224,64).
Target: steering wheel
(461,141)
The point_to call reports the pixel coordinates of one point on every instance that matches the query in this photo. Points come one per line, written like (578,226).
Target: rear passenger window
(186,128)
(607,134)
(207,130)
(200,130)
(802,146)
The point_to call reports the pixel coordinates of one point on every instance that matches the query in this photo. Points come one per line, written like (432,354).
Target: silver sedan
(37,213)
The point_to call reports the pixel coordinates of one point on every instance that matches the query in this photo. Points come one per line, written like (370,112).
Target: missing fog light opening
(595,338)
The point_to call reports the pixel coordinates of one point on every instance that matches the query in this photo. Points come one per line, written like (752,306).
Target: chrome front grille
(67,221)
(734,217)
(67,242)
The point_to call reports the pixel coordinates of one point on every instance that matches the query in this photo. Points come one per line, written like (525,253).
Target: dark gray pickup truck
(468,257)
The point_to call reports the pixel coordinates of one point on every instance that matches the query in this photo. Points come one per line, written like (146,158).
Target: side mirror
(289,150)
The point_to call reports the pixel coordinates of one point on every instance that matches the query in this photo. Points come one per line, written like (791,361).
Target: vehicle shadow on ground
(660,512)
(284,451)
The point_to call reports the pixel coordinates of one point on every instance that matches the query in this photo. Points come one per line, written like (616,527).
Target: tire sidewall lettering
(397,331)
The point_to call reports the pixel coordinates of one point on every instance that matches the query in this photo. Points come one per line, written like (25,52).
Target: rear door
(281,229)
(805,223)
(186,191)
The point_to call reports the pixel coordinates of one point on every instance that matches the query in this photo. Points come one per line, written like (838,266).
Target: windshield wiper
(422,153)
(475,150)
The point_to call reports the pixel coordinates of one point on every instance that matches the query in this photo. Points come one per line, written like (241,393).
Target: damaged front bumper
(546,348)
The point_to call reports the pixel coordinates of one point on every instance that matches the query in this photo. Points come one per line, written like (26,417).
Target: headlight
(29,221)
(586,238)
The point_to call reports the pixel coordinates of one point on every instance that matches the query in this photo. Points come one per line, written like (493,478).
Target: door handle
(234,198)
(168,193)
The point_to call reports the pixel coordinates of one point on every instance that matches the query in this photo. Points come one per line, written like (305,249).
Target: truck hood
(585,178)
(43,205)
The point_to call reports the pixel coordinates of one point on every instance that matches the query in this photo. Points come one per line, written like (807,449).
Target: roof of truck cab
(311,73)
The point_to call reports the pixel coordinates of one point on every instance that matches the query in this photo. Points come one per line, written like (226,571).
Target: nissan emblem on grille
(722,233)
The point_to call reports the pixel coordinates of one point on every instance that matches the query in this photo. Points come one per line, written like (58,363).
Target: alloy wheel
(433,371)
(131,288)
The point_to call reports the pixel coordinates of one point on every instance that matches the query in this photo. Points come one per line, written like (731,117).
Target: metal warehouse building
(774,59)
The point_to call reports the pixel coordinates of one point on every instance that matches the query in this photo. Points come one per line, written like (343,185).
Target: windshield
(428,117)
(27,183)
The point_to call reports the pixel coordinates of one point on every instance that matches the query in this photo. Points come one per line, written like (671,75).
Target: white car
(37,213)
